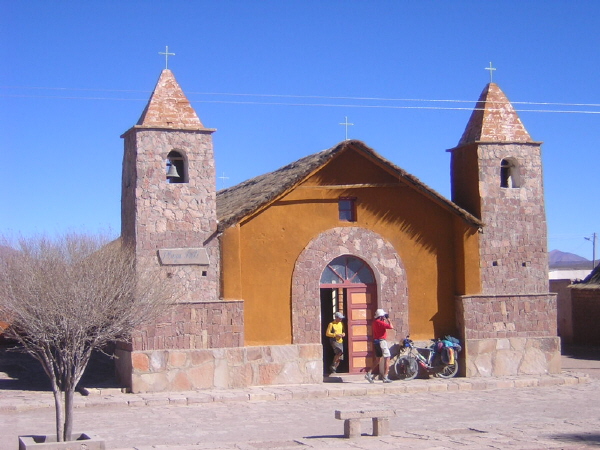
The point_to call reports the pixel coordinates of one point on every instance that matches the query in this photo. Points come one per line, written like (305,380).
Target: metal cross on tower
(491,69)
(167,54)
(346,124)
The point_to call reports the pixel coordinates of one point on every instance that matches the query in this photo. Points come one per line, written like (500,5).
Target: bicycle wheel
(406,368)
(449,371)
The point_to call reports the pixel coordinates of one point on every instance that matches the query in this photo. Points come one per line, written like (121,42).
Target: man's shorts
(381,348)
(338,347)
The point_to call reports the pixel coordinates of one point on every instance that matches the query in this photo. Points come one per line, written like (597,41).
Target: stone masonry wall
(189,326)
(512,356)
(179,342)
(377,252)
(227,368)
(513,241)
(504,316)
(509,334)
(160,215)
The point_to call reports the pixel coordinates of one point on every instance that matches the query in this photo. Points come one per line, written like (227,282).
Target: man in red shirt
(380,326)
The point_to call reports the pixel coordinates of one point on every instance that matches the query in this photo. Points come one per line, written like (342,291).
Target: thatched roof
(592,281)
(243,200)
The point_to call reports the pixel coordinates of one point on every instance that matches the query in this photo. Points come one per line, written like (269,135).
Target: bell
(172,172)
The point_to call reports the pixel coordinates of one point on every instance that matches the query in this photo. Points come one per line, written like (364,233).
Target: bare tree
(67,296)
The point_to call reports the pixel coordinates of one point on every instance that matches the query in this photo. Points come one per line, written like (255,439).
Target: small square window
(347,209)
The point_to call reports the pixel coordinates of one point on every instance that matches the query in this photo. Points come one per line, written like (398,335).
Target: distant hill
(560,260)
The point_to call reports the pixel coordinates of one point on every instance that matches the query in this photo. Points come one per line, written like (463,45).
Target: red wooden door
(361,303)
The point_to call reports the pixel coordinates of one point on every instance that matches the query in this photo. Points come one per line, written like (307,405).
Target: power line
(73,97)
(589,105)
(238,94)
(323,105)
(290,96)
(439,108)
(72,89)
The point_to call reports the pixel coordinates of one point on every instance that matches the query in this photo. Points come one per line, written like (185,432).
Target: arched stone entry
(378,253)
(348,286)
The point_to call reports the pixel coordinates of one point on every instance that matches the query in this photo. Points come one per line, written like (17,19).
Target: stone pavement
(546,412)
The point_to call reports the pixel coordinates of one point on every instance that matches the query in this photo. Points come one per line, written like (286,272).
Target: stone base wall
(502,316)
(509,334)
(188,326)
(227,368)
(512,356)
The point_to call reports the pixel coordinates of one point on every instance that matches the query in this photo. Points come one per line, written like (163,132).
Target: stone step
(344,378)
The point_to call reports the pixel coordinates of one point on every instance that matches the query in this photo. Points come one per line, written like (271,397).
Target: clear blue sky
(276,78)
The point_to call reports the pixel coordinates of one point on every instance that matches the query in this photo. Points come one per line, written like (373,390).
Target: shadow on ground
(591,439)
(331,436)
(20,371)
(576,351)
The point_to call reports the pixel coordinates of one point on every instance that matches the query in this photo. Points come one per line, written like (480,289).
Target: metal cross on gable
(167,54)
(346,124)
(491,69)
(223,178)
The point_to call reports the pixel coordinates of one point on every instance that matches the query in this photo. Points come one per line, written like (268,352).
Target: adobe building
(585,304)
(263,266)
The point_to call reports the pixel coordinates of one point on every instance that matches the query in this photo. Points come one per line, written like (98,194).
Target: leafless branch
(65,297)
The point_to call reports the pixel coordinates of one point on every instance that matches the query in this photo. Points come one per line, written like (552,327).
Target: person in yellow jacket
(335,333)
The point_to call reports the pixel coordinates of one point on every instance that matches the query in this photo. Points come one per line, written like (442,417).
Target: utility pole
(593,238)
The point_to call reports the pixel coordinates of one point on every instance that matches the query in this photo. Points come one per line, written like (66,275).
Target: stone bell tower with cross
(168,207)
(510,326)
(168,215)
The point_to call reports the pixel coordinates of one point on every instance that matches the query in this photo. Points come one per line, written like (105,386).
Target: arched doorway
(348,285)
(375,250)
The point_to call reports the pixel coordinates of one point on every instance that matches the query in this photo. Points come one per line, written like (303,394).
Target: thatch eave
(591,282)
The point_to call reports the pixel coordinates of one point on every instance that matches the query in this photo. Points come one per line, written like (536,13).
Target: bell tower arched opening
(176,167)
(509,173)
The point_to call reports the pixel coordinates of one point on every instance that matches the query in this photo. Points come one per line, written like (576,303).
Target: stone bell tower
(168,206)
(509,327)
(168,214)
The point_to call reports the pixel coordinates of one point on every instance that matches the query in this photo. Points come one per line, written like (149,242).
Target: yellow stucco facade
(437,246)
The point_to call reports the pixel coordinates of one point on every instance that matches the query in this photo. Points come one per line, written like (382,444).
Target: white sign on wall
(183,256)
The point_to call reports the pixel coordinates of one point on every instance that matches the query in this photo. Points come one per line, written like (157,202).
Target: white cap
(379,313)
(338,315)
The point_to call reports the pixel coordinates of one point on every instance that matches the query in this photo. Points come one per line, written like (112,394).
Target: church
(261,268)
